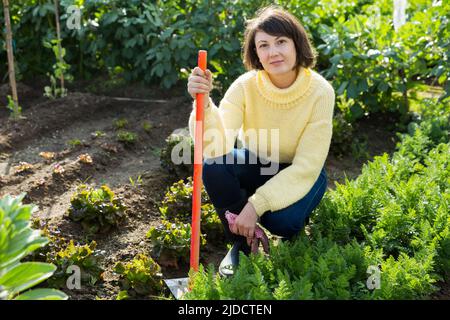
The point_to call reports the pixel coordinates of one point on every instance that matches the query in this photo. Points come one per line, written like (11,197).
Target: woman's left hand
(246,222)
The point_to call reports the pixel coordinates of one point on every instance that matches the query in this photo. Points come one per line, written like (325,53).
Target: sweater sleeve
(221,124)
(294,182)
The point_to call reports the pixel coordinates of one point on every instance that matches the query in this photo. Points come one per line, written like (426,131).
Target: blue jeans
(230,184)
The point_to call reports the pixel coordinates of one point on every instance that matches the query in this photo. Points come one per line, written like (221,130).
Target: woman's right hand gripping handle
(200,82)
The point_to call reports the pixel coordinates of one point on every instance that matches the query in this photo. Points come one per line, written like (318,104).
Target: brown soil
(49,125)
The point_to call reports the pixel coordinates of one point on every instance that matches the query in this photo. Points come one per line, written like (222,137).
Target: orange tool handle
(198,163)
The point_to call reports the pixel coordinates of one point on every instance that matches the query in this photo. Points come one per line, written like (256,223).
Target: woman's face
(277,54)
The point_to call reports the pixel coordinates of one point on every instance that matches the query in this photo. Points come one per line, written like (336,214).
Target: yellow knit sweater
(302,118)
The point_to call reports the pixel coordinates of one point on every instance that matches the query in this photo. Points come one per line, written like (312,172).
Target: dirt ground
(49,126)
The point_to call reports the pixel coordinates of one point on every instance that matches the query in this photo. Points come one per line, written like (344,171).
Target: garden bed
(84,123)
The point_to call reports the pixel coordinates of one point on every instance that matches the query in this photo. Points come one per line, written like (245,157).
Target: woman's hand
(246,222)
(200,82)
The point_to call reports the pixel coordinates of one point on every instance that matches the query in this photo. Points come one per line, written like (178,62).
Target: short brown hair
(276,21)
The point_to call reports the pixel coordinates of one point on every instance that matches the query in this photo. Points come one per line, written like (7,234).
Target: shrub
(300,270)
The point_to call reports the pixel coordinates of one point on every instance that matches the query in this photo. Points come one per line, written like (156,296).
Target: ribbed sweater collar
(284,98)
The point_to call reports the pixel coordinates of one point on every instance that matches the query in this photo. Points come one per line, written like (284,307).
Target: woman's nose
(273,52)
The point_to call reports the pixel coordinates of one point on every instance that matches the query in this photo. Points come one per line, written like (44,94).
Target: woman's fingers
(198,86)
(233,228)
(199,81)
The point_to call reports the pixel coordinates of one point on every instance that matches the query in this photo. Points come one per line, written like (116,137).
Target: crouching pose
(282,112)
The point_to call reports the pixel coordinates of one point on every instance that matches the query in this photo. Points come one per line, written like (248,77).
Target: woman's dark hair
(276,21)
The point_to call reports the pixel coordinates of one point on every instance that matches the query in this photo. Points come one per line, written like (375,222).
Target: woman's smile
(276,63)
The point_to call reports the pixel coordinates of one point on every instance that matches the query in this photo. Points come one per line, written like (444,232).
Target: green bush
(343,135)
(97,209)
(17,240)
(301,270)
(358,49)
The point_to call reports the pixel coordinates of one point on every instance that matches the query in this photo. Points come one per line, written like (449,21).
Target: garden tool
(180,286)
(259,236)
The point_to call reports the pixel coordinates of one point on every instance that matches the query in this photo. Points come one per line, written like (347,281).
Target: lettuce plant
(177,206)
(97,209)
(142,274)
(86,257)
(182,146)
(172,240)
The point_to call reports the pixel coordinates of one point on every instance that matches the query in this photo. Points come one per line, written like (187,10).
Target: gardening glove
(259,236)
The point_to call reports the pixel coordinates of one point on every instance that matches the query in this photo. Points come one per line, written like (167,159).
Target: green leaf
(42,294)
(352,90)
(347,55)
(109,18)
(122,295)
(362,86)
(342,88)
(25,275)
(383,86)
(335,59)
(357,111)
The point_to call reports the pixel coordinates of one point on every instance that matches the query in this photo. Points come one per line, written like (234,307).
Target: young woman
(282,111)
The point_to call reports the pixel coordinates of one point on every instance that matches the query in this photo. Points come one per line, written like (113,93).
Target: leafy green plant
(298,270)
(120,123)
(177,206)
(98,134)
(147,126)
(17,240)
(177,156)
(359,148)
(74,143)
(97,209)
(60,70)
(127,137)
(15,111)
(342,135)
(86,257)
(142,274)
(137,182)
(172,241)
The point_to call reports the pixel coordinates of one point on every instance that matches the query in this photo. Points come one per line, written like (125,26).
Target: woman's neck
(284,80)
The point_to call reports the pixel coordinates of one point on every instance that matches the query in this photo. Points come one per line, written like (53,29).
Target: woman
(282,111)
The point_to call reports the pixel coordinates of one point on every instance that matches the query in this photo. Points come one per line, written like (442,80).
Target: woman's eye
(263,45)
(281,41)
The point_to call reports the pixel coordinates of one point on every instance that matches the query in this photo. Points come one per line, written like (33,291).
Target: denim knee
(213,169)
(282,224)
